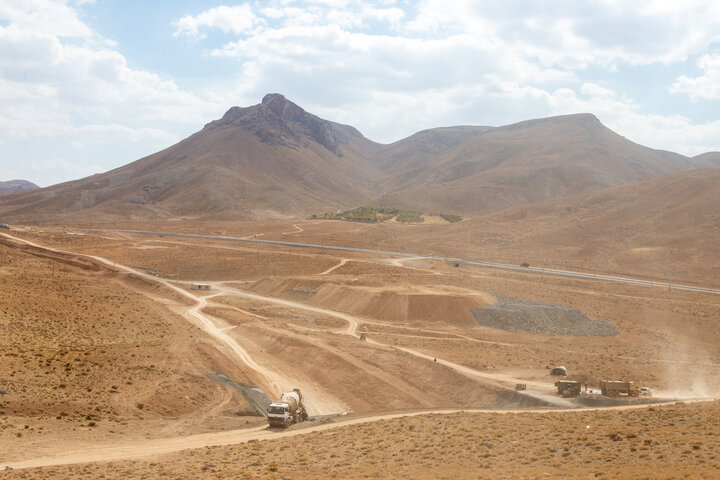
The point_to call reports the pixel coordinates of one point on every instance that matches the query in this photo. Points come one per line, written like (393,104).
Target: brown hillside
(275,160)
(407,157)
(529,162)
(665,228)
(269,160)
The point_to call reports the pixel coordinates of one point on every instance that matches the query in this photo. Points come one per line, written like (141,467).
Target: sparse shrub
(450,218)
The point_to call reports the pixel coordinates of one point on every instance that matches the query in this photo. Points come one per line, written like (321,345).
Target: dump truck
(614,388)
(288,410)
(568,388)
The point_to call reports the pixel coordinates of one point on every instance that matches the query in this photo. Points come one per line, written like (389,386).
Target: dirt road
(157,447)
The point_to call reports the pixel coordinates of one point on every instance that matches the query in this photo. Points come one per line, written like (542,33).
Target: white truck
(288,410)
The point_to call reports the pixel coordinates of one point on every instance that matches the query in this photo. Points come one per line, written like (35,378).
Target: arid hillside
(269,160)
(665,229)
(528,162)
(275,160)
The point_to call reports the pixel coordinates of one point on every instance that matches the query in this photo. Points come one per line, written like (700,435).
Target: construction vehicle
(568,388)
(559,372)
(288,410)
(614,388)
(520,386)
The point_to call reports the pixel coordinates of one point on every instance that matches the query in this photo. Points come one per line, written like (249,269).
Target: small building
(200,286)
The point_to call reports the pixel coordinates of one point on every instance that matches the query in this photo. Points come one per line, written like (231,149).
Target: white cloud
(596,91)
(64,87)
(113,133)
(238,19)
(69,169)
(704,87)
(51,17)
(47,83)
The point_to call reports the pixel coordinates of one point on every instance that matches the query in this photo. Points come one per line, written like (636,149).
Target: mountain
(527,162)
(275,160)
(16,185)
(270,160)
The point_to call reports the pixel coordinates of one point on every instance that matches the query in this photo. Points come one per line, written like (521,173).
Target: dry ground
(297,313)
(664,442)
(85,356)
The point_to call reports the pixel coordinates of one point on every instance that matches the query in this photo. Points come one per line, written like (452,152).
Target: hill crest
(276,160)
(16,185)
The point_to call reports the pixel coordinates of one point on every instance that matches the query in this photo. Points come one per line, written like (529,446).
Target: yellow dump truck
(614,388)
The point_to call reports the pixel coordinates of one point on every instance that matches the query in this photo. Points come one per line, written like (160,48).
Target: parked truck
(614,388)
(568,388)
(288,410)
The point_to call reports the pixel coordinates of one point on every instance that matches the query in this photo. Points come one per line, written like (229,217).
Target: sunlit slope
(275,160)
(528,162)
(665,228)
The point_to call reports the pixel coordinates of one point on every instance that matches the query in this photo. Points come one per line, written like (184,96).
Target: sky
(90,85)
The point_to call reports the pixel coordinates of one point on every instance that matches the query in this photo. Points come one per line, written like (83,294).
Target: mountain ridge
(276,160)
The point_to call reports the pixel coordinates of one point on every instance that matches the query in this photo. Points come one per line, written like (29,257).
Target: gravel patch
(527,316)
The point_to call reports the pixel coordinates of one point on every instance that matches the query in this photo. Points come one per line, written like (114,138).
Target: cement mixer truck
(288,410)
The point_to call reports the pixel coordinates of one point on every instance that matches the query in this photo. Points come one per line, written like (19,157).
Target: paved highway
(504,266)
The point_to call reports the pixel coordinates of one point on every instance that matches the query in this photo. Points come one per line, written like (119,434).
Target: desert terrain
(151,313)
(110,355)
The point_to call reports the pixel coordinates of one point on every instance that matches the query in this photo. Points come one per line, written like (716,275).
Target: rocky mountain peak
(278,121)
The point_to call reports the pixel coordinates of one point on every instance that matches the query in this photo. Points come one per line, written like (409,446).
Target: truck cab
(279,415)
